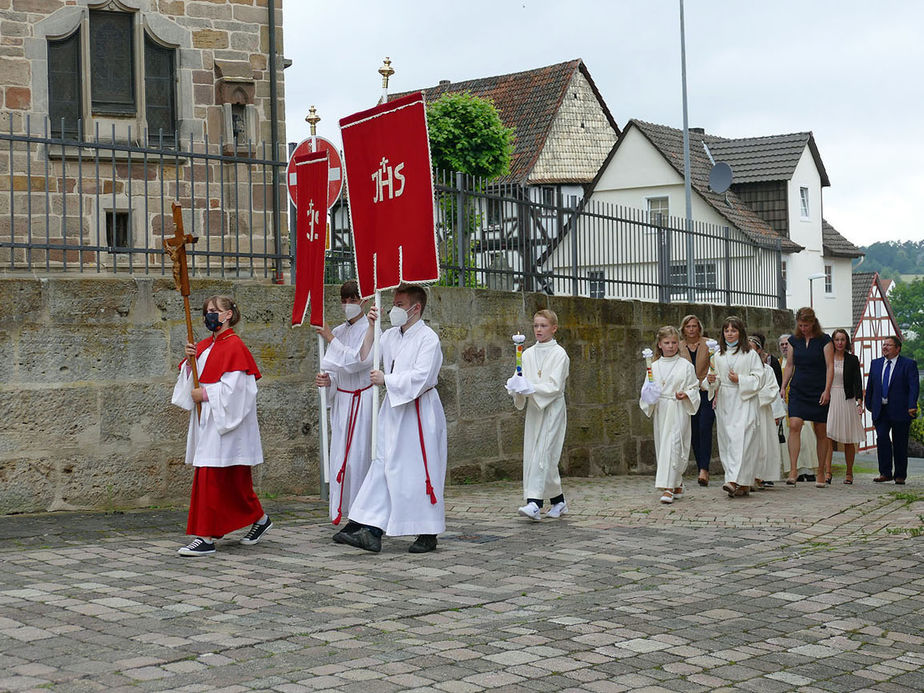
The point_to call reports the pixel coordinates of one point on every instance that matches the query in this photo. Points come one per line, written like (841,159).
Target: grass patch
(908,496)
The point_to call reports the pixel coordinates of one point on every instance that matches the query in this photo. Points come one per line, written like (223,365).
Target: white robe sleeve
(340,355)
(549,390)
(750,381)
(231,399)
(407,385)
(690,387)
(181,391)
(769,391)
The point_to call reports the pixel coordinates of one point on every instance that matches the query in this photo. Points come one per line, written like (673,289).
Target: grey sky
(849,71)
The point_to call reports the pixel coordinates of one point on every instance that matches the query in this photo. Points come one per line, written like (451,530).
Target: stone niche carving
(234,92)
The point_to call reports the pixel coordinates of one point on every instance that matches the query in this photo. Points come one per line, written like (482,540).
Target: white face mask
(397,316)
(352,310)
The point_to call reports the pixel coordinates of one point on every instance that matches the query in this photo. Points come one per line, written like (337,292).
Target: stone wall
(85,394)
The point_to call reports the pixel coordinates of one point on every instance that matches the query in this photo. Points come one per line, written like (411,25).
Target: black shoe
(256,532)
(350,528)
(198,547)
(802,477)
(900,482)
(768,484)
(810,477)
(363,538)
(423,544)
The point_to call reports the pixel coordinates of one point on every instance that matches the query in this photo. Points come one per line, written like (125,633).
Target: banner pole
(322,414)
(376,357)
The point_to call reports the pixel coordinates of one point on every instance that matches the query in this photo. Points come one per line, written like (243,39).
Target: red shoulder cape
(228,354)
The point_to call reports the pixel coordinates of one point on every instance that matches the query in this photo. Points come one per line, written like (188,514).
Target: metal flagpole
(386,71)
(313,119)
(687,186)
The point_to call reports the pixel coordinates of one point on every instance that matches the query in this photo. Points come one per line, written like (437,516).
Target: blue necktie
(885,379)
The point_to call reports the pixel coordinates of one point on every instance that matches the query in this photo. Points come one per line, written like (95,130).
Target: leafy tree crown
(467,135)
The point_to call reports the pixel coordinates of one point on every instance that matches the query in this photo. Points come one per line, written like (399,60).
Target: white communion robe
(350,400)
(546,366)
(767,467)
(736,412)
(226,433)
(672,418)
(394,495)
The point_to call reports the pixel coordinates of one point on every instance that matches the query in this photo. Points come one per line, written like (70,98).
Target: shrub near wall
(90,367)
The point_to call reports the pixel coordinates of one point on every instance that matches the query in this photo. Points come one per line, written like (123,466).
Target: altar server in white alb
(349,397)
(671,397)
(769,414)
(224,438)
(734,386)
(402,493)
(545,372)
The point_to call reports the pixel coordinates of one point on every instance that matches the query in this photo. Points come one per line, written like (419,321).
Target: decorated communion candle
(518,339)
(648,353)
(713,347)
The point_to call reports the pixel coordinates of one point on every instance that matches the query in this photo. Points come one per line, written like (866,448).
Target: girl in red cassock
(224,439)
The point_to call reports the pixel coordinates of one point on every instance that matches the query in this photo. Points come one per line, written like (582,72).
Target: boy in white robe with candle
(545,371)
(350,402)
(734,386)
(402,493)
(769,414)
(671,397)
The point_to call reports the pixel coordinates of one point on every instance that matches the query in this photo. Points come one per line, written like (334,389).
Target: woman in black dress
(809,374)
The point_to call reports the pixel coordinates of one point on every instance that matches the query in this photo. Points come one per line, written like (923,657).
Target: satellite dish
(720,177)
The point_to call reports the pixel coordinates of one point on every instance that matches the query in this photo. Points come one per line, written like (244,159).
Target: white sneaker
(667,498)
(558,510)
(679,494)
(530,510)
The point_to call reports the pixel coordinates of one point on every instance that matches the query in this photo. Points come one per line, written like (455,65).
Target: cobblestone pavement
(791,589)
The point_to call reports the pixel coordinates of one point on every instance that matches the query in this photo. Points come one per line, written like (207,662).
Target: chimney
(444,82)
(698,131)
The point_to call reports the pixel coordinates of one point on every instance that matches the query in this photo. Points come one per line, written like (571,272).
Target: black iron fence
(103,204)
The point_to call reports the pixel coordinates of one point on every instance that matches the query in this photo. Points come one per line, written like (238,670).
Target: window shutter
(64,85)
(160,91)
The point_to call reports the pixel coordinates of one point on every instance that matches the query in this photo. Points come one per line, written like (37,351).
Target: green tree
(907,299)
(467,136)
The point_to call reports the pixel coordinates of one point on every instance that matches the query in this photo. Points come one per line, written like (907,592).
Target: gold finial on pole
(386,71)
(313,119)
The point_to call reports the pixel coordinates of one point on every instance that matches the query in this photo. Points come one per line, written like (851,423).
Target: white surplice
(736,412)
(226,433)
(545,366)
(350,400)
(393,496)
(672,418)
(767,467)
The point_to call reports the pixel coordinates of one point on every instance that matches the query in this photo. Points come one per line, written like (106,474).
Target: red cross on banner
(390,189)
(311,236)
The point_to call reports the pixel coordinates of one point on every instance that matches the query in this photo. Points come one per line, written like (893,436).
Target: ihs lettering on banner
(386,177)
(314,217)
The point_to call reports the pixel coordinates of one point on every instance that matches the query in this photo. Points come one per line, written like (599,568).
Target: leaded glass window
(112,85)
(64,85)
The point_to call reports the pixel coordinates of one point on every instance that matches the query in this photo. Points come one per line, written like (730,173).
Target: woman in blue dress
(809,374)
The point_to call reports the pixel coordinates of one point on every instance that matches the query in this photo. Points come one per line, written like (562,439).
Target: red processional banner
(389,182)
(310,236)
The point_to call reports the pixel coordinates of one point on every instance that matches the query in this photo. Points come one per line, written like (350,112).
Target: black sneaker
(768,484)
(197,547)
(423,544)
(363,538)
(256,532)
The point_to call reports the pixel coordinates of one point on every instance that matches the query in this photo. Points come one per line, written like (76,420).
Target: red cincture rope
(423,450)
(355,402)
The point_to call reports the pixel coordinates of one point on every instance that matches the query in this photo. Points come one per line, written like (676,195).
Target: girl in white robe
(734,387)
(672,401)
(545,369)
(771,409)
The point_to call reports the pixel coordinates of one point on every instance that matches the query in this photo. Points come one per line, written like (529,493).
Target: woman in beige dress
(844,425)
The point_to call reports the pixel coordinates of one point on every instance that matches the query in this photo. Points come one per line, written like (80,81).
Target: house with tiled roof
(873,321)
(775,197)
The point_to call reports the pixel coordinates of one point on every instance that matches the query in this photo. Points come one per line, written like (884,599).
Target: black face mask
(212,322)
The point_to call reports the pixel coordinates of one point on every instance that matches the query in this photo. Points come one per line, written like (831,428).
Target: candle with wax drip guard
(713,348)
(648,353)
(518,340)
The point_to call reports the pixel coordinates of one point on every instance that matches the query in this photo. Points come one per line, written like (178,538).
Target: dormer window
(804,201)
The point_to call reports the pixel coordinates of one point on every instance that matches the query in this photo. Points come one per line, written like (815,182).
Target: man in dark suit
(892,399)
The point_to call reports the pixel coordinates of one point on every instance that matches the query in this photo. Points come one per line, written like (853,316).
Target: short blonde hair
(548,314)
(666,331)
(690,318)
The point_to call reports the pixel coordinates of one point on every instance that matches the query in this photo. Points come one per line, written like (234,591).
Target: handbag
(780,434)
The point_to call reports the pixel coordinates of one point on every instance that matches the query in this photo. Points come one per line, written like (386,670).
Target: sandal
(703,479)
(791,481)
(667,497)
(820,484)
(848,479)
(828,479)
(731,488)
